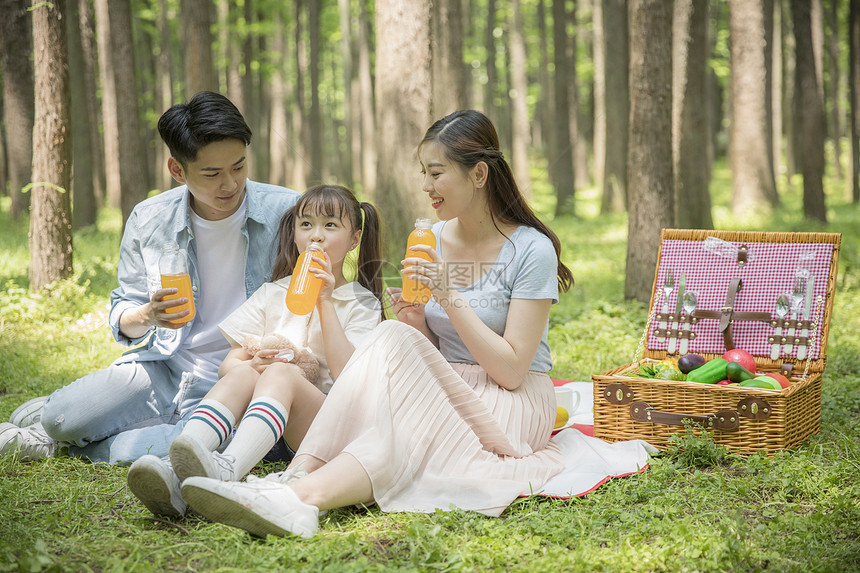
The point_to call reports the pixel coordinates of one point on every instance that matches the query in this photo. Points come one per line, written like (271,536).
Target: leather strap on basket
(727,314)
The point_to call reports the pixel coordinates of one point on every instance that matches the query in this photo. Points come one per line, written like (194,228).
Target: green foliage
(697,507)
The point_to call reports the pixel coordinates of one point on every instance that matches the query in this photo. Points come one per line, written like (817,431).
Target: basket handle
(722,420)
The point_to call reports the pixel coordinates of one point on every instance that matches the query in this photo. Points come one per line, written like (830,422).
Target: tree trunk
(544,113)
(301,145)
(50,218)
(351,153)
(810,114)
(446,44)
(16,42)
(582,126)
(109,119)
(834,87)
(650,153)
(854,94)
(777,86)
(788,72)
(368,103)
(492,74)
(521,129)
(84,208)
(165,92)
(317,130)
(278,143)
(132,155)
(403,102)
(197,43)
(563,159)
(690,130)
(753,184)
(617,105)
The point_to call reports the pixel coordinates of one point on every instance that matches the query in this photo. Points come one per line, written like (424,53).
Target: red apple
(783,381)
(742,357)
(724,382)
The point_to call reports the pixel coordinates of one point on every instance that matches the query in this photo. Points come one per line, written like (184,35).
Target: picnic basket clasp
(722,420)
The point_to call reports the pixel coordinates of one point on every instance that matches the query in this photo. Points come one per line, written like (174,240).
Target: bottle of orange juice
(413,291)
(305,286)
(173,267)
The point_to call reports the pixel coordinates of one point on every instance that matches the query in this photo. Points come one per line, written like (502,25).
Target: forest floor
(697,507)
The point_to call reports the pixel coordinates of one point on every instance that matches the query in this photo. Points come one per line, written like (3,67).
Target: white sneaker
(190,458)
(286,476)
(28,413)
(30,443)
(259,507)
(151,479)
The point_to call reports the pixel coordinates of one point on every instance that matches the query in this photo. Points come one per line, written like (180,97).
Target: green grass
(698,508)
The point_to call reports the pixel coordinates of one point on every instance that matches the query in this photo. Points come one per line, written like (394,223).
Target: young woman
(272,394)
(450,405)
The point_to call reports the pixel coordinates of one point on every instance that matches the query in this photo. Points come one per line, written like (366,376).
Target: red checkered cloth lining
(768,273)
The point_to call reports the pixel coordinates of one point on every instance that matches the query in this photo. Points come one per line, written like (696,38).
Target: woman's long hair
(339,202)
(469,137)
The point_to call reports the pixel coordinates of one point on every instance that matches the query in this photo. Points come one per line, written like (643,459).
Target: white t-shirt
(221,271)
(266,313)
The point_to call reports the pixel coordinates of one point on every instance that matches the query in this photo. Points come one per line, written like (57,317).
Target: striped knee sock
(210,423)
(263,425)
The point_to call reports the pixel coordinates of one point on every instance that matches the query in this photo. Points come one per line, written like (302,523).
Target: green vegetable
(710,372)
(737,373)
(765,382)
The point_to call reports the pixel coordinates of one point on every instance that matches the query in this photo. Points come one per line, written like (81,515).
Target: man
(228,226)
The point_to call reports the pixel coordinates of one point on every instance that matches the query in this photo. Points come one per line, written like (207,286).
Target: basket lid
(761,266)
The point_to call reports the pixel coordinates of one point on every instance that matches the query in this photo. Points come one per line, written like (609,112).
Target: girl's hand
(264,358)
(408,313)
(325,274)
(432,274)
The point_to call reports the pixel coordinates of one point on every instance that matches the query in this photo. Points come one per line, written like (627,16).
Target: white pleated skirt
(436,435)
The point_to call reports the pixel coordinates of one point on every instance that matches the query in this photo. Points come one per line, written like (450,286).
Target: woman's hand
(433,273)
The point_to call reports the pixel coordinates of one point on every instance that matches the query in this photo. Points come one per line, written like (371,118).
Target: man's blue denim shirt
(166,217)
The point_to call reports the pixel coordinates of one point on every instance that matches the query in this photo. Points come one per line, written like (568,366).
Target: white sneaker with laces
(151,479)
(259,507)
(286,476)
(28,413)
(190,458)
(30,443)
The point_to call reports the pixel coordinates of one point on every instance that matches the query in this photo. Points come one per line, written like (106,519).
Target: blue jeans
(125,411)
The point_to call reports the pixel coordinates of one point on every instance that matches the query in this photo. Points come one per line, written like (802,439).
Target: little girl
(272,394)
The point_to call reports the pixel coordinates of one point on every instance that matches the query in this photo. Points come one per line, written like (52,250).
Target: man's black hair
(206,118)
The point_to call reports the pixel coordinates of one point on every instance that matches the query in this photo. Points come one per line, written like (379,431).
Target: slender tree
(84,207)
(689,102)
(492,72)
(614,46)
(352,156)
(197,46)
(403,94)
(109,106)
(446,43)
(833,86)
(51,215)
(753,183)
(810,114)
(367,101)
(650,152)
(280,136)
(854,92)
(15,48)
(519,101)
(316,133)
(562,162)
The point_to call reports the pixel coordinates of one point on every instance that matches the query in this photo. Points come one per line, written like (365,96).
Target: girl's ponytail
(369,267)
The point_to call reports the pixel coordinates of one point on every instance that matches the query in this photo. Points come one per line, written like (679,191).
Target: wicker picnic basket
(738,277)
